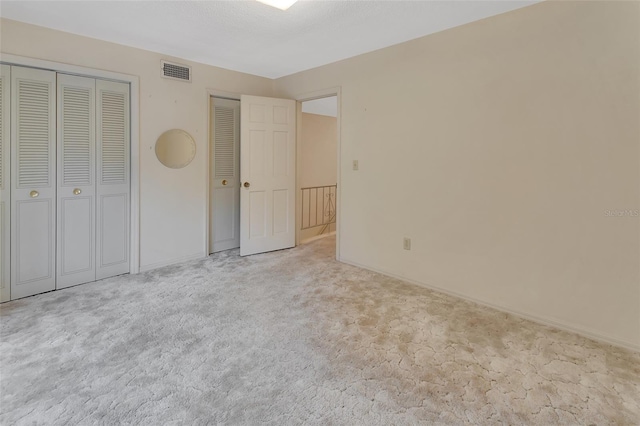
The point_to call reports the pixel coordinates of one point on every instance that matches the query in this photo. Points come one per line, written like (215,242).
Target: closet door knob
(224,181)
(34,194)
(77,191)
(247,184)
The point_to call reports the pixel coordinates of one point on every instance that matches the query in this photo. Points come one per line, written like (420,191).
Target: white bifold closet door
(5,190)
(69,183)
(33,181)
(93,180)
(113,178)
(76,181)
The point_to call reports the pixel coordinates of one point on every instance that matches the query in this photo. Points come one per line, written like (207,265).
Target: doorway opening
(259,166)
(318,169)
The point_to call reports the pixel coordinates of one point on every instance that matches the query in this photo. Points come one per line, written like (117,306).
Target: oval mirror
(175,148)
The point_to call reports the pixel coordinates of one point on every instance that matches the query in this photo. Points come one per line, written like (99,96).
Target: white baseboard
(145,268)
(317,237)
(583,331)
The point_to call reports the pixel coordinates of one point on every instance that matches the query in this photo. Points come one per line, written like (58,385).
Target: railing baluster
(309,209)
(325,203)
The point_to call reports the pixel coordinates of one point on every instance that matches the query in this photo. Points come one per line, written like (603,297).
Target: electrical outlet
(355,165)
(406,243)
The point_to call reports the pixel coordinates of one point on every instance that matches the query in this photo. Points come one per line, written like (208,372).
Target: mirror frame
(187,148)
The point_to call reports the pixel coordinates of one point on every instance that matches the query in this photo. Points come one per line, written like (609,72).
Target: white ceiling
(325,106)
(251,37)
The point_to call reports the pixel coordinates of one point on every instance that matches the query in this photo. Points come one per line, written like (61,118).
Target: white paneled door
(33,181)
(5,190)
(224,225)
(267,149)
(76,181)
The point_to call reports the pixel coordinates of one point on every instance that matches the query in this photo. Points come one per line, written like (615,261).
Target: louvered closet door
(76,181)
(33,181)
(224,225)
(5,190)
(113,178)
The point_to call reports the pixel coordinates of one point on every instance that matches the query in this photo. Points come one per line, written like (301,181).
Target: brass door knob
(34,194)
(224,181)
(77,191)
(247,184)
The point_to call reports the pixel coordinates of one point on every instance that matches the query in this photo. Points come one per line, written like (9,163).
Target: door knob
(224,181)
(34,194)
(247,184)
(77,191)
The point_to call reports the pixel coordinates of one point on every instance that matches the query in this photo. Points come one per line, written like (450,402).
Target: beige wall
(318,157)
(498,147)
(172,202)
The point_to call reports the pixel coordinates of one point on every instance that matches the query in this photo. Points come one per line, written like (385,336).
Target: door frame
(134,112)
(310,96)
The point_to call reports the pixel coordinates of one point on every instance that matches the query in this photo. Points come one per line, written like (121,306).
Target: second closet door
(113,179)
(76,168)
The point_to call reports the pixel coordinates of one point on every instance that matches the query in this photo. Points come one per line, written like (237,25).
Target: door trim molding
(310,96)
(134,99)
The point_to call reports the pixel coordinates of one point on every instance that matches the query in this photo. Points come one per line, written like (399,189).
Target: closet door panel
(76,181)
(33,181)
(113,179)
(33,228)
(75,239)
(113,229)
(5,190)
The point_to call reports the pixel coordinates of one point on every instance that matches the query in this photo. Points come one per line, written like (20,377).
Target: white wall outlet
(406,243)
(355,165)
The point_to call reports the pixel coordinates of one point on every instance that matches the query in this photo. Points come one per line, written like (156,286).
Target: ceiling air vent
(175,71)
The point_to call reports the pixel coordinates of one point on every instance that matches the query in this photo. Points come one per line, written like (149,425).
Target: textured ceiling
(252,37)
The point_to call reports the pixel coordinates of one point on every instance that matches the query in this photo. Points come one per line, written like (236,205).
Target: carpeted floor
(293,337)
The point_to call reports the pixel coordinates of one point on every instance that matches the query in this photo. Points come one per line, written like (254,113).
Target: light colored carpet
(293,337)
